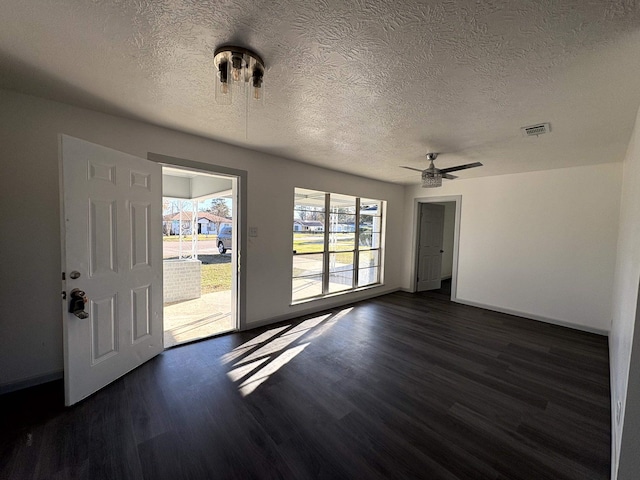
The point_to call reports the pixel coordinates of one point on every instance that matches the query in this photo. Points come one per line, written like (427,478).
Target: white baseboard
(533,316)
(615,426)
(340,302)
(31,382)
(530,316)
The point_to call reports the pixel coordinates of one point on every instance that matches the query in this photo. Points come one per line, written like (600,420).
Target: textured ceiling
(359,86)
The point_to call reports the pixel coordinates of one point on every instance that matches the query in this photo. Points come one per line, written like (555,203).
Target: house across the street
(208,223)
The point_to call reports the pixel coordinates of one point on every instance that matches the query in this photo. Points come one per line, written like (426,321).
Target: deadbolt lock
(77,301)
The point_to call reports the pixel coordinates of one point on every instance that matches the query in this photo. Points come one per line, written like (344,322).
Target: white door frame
(239,229)
(416,240)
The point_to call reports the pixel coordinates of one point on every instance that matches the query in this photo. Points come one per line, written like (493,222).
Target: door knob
(76,303)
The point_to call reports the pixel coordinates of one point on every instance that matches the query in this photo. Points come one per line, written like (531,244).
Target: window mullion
(325,259)
(356,246)
(382,228)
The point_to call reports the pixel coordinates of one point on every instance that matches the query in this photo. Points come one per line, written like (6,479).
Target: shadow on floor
(445,288)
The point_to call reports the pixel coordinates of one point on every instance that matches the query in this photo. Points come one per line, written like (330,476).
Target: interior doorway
(430,247)
(199,214)
(436,247)
(448,233)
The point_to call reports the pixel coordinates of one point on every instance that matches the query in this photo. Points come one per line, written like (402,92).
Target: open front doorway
(199,254)
(112,249)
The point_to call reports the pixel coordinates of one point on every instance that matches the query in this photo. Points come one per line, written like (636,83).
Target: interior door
(112,251)
(430,247)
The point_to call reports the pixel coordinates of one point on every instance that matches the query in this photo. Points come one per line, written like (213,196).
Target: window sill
(336,294)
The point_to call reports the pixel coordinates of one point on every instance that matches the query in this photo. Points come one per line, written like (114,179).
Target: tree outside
(220,209)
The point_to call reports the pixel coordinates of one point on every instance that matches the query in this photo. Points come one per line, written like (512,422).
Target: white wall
(539,244)
(31,327)
(624,340)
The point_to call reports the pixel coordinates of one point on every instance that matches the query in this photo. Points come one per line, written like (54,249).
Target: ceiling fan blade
(450,177)
(411,168)
(460,167)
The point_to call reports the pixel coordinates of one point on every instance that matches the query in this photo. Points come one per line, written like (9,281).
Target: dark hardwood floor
(401,386)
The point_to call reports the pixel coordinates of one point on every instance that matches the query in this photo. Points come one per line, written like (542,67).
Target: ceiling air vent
(535,130)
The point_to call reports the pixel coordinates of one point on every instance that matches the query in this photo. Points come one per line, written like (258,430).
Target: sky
(170,205)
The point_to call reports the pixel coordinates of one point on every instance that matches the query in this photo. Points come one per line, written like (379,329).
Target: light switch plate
(253,231)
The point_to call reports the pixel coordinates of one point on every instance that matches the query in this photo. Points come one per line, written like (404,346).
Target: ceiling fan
(432,176)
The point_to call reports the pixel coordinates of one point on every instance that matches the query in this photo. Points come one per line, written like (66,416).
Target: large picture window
(337,243)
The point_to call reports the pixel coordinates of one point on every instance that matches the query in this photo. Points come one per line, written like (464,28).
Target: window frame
(327,253)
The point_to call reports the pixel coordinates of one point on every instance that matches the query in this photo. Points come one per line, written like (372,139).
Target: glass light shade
(256,92)
(224,85)
(431,180)
(237,67)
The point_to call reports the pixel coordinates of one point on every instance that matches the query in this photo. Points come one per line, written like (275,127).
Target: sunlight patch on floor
(326,326)
(262,375)
(239,373)
(308,324)
(273,349)
(274,346)
(248,346)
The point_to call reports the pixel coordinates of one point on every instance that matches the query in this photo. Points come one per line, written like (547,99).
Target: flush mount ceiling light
(236,69)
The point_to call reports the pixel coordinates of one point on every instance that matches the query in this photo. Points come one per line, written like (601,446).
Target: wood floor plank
(399,386)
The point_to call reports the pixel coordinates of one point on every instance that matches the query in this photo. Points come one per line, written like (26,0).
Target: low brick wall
(182,280)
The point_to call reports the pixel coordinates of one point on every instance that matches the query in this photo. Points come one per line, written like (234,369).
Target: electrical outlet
(253,231)
(618,411)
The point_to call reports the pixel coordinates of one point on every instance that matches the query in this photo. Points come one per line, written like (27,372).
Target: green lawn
(216,272)
(314,242)
(308,242)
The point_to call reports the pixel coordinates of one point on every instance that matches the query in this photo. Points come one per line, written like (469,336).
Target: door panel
(104,331)
(430,247)
(112,238)
(142,314)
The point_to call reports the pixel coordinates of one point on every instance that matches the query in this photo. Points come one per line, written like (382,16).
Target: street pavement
(205,247)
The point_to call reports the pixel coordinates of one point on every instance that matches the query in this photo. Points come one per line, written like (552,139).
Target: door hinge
(64,295)
(64,277)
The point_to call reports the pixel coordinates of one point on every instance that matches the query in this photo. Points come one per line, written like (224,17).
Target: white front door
(112,250)
(430,248)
